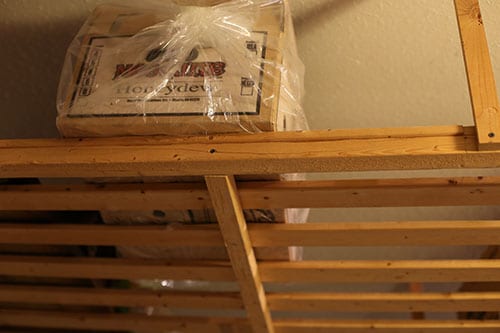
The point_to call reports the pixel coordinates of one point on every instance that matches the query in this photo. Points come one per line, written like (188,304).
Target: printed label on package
(113,83)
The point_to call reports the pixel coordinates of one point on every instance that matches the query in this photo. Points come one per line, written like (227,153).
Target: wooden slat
(466,191)
(404,233)
(463,191)
(386,326)
(121,269)
(479,73)
(119,297)
(384,302)
(276,271)
(111,235)
(104,197)
(119,322)
(233,227)
(401,233)
(381,271)
(255,156)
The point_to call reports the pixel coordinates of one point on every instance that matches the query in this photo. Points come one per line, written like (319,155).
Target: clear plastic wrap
(183,70)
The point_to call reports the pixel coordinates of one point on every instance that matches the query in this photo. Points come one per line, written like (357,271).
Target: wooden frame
(218,159)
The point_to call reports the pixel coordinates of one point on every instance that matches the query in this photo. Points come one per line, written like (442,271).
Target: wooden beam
(479,73)
(386,326)
(305,152)
(466,191)
(111,235)
(381,271)
(116,268)
(118,322)
(173,196)
(450,191)
(384,302)
(233,226)
(401,233)
(139,298)
(404,233)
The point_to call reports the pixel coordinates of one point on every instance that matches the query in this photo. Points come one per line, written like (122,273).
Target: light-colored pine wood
(401,233)
(381,271)
(72,159)
(118,322)
(385,326)
(226,202)
(116,268)
(104,197)
(111,235)
(139,298)
(384,302)
(294,302)
(479,73)
(465,191)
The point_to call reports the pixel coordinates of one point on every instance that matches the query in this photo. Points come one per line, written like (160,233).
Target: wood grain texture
(226,202)
(305,152)
(400,233)
(386,326)
(479,73)
(360,271)
(452,191)
(466,191)
(116,268)
(384,302)
(118,322)
(139,298)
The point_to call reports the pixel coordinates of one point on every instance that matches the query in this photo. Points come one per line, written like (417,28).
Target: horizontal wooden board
(140,298)
(275,271)
(118,322)
(116,268)
(384,326)
(305,152)
(402,233)
(381,271)
(384,302)
(150,324)
(293,302)
(463,191)
(111,235)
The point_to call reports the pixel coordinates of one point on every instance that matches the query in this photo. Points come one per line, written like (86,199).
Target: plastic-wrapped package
(162,68)
(183,70)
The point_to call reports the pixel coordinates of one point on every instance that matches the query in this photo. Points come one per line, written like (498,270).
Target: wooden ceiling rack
(219,159)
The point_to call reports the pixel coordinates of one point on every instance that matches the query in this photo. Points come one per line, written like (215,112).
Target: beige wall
(370,63)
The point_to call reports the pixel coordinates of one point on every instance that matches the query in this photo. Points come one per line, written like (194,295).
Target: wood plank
(464,191)
(451,191)
(309,136)
(403,233)
(384,302)
(111,235)
(226,202)
(381,271)
(480,74)
(116,268)
(386,326)
(279,156)
(399,233)
(104,197)
(140,298)
(118,322)
(276,271)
